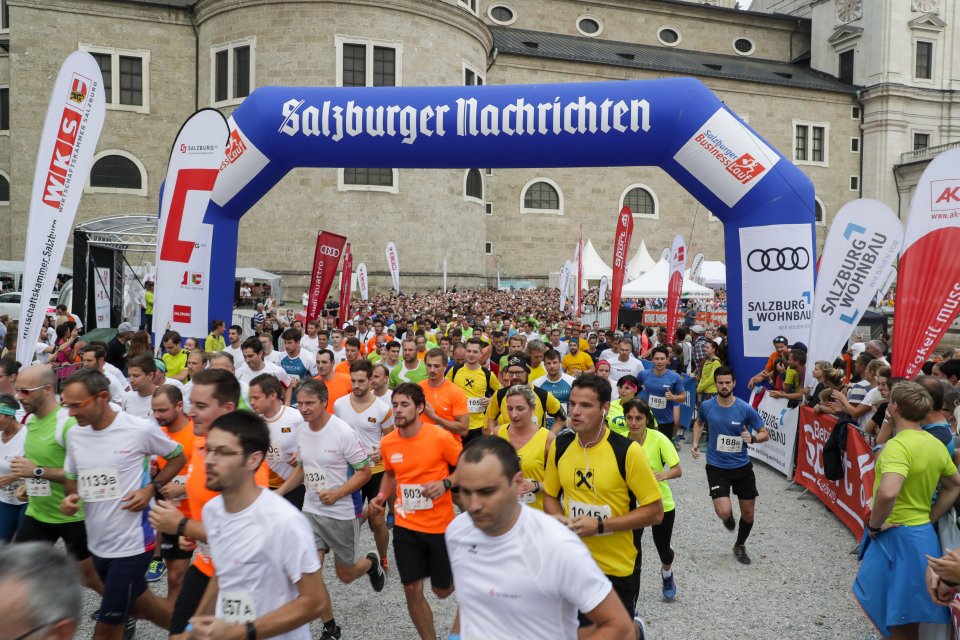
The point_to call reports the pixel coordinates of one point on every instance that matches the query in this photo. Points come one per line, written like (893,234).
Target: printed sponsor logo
(60,168)
(327,250)
(182,313)
(79,89)
(785,259)
(945,195)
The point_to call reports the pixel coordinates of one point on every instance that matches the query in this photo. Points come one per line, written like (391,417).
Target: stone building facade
(166,58)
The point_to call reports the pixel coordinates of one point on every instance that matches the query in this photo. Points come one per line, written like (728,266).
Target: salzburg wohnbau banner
(70,133)
(781,423)
(696,268)
(678,262)
(182,294)
(864,241)
(326,257)
(346,283)
(393,264)
(563,283)
(928,289)
(849,499)
(621,247)
(362,280)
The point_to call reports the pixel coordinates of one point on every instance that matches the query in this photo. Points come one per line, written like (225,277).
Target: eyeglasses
(79,405)
(25,391)
(213,454)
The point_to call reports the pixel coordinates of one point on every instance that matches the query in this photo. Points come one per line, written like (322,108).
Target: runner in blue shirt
(731,424)
(556,381)
(299,364)
(663,391)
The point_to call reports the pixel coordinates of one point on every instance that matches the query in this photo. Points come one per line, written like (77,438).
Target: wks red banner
(325,261)
(849,499)
(621,245)
(346,280)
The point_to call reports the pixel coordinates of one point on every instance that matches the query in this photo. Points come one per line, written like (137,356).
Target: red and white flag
(393,263)
(362,280)
(621,248)
(678,263)
(346,283)
(326,258)
(928,282)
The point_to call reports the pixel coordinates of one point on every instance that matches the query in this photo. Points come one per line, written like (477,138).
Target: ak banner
(621,247)
(326,258)
(678,263)
(393,264)
(928,282)
(346,281)
(861,247)
(362,281)
(182,295)
(70,133)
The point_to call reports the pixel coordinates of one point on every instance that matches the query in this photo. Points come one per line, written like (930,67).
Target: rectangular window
(233,71)
(854,183)
(810,140)
(368,177)
(489,208)
(472,77)
(469,5)
(488,248)
(855,145)
(845,67)
(366,63)
(4,16)
(855,113)
(921,141)
(923,69)
(4,109)
(126,77)
(489,172)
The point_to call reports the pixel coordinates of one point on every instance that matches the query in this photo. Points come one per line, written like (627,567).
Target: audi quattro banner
(621,248)
(858,255)
(362,280)
(578,263)
(928,289)
(393,264)
(69,137)
(781,424)
(776,266)
(326,257)
(346,279)
(184,239)
(678,263)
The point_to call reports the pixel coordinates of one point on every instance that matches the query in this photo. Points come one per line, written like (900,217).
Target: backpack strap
(486,373)
(562,442)
(620,445)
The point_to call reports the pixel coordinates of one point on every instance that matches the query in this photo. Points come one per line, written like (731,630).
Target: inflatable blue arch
(765,202)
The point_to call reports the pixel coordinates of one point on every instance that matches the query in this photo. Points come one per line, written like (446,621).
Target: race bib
(528,497)
(412,498)
(729,444)
(657,402)
(237,607)
(9,493)
(98,485)
(576,509)
(274,453)
(38,487)
(475,405)
(315,479)
(204,549)
(182,481)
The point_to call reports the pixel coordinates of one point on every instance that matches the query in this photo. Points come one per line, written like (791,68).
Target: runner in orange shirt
(215,392)
(338,384)
(417,459)
(446,402)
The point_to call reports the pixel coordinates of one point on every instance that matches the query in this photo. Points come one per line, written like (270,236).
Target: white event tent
(713,273)
(594,267)
(653,284)
(640,263)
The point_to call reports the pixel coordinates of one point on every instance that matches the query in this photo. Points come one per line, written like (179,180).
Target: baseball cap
(698,328)
(856,349)
(799,345)
(126,327)
(780,340)
(518,361)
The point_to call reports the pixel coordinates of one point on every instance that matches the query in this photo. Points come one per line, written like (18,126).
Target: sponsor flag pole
(393,263)
(864,240)
(621,249)
(346,279)
(69,137)
(444,275)
(579,297)
(928,293)
(326,257)
(182,294)
(885,287)
(362,280)
(678,262)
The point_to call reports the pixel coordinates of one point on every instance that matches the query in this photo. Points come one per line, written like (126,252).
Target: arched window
(818,210)
(118,171)
(641,200)
(542,196)
(473,189)
(4,188)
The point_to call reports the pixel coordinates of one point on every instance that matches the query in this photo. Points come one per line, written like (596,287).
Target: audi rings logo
(327,250)
(786,259)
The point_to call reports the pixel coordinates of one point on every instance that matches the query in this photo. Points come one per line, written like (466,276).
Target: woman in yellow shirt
(531,442)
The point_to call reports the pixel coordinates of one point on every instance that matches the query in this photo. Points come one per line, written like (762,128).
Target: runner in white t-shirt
(269,353)
(138,401)
(624,363)
(336,346)
(196,362)
(265,560)
(329,450)
(94,356)
(256,365)
(107,466)
(13,437)
(266,398)
(311,339)
(520,573)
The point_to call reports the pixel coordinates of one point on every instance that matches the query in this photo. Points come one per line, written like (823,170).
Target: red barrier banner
(621,245)
(654,318)
(850,498)
(346,282)
(325,261)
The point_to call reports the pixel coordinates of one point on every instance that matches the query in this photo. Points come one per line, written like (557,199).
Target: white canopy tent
(653,284)
(258,275)
(640,263)
(713,273)
(594,267)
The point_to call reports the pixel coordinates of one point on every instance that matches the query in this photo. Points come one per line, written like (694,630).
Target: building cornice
(109,9)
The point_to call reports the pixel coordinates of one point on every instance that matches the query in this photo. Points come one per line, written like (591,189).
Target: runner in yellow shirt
(478,384)
(530,441)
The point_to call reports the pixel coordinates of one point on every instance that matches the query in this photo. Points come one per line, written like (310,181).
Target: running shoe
(641,627)
(130,629)
(377,576)
(156,570)
(740,552)
(331,635)
(669,588)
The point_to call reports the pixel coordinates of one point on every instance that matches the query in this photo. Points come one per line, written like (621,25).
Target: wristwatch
(447,484)
(38,472)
